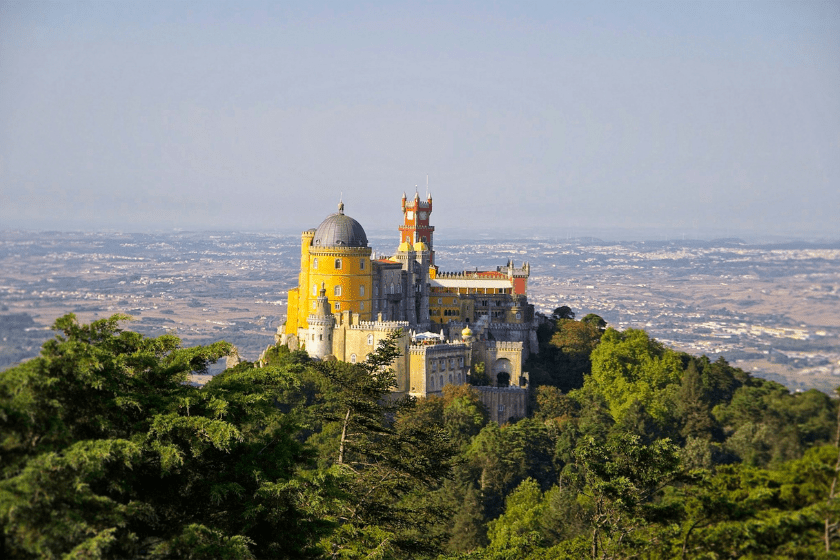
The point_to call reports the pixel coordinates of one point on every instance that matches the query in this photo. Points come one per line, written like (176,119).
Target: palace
(348,299)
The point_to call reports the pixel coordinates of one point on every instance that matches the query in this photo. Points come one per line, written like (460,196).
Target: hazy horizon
(687,119)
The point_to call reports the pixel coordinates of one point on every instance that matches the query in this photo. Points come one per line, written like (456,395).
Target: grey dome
(339,230)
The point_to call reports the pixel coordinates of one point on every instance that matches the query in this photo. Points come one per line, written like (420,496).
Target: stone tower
(416,228)
(319,336)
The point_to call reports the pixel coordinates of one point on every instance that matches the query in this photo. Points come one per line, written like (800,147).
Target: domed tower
(318,340)
(339,259)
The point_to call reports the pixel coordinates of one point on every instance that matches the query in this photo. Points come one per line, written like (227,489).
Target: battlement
(320,320)
(504,345)
(421,349)
(380,326)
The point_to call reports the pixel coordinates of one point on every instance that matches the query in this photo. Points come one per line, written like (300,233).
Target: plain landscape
(769,309)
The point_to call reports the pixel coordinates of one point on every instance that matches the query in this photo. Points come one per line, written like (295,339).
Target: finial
(341,204)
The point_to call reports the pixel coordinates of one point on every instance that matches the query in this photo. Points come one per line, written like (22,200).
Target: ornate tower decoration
(416,228)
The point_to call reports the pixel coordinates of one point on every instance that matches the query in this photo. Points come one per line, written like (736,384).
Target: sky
(558,118)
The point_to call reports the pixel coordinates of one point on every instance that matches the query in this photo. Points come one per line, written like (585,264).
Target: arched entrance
(502,370)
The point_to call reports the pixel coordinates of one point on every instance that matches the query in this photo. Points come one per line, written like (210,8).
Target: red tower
(416,226)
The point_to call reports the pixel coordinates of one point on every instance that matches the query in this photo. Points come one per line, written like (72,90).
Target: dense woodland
(631,450)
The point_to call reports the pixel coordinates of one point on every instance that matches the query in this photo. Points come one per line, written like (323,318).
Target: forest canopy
(630,450)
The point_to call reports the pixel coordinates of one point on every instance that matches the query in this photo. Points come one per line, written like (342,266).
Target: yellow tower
(335,255)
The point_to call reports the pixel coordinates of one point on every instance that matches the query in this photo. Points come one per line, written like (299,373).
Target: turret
(321,325)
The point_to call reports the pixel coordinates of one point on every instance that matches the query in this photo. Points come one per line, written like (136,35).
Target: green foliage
(478,375)
(521,522)
(630,366)
(106,451)
(384,467)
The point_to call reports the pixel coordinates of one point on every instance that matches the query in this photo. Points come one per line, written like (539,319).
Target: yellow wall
(352,276)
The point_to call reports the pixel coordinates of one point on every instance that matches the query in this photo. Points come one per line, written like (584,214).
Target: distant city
(771,309)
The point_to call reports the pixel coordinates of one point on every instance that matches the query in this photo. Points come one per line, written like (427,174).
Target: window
(399,288)
(452,363)
(454,301)
(370,340)
(519,315)
(352,358)
(337,290)
(361,306)
(434,365)
(314,289)
(450,379)
(431,383)
(501,408)
(440,301)
(441,382)
(362,291)
(392,287)
(338,264)
(462,362)
(361,264)
(376,304)
(423,239)
(315,263)
(337,306)
(376,290)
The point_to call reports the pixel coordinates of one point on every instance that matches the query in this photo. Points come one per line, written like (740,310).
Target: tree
(478,376)
(563,312)
(384,467)
(629,366)
(108,452)
(621,478)
(595,321)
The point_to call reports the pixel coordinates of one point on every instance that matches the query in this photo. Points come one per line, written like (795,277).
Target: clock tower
(416,228)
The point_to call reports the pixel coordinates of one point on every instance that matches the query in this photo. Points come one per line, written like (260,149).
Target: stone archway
(502,370)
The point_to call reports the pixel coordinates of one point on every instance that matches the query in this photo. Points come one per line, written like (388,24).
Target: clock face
(423,215)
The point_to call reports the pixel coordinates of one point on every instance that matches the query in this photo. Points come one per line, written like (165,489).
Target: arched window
(314,289)
(399,288)
(450,378)
(361,264)
(352,358)
(434,365)
(376,290)
(441,382)
(362,291)
(337,290)
(392,287)
(314,263)
(361,306)
(370,340)
(338,264)
(431,383)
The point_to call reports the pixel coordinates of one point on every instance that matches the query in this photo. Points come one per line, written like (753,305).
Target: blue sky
(706,118)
